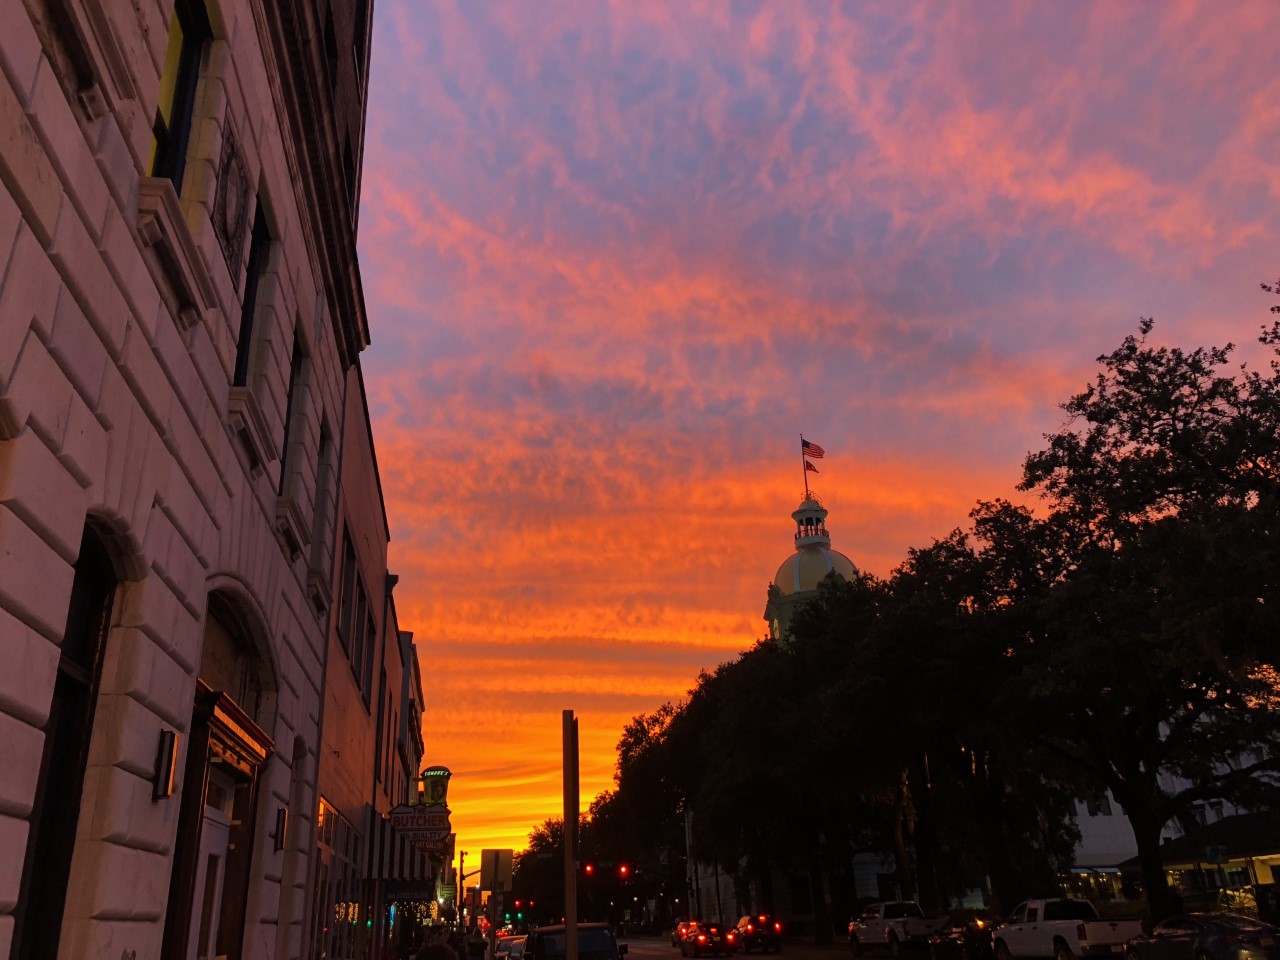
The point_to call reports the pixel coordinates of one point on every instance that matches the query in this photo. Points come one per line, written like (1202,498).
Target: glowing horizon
(618,256)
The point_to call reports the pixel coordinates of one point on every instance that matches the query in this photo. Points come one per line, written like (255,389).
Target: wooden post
(570,736)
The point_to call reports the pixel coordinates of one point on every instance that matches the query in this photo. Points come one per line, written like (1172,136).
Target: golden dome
(803,570)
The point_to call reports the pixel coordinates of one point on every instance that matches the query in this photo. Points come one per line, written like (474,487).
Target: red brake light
(778,927)
(1081,935)
(702,936)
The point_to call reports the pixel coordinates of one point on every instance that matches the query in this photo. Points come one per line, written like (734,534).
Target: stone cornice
(303,101)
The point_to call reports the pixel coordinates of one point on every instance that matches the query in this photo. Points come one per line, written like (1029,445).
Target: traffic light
(589,869)
(624,871)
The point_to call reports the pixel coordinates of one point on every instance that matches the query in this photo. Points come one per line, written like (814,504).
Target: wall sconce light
(166,765)
(282,823)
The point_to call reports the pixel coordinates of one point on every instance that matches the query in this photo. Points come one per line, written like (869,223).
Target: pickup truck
(1061,929)
(891,924)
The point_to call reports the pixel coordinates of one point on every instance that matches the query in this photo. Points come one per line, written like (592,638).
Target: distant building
(184,461)
(797,579)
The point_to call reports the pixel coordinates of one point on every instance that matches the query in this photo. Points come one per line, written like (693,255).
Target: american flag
(812,449)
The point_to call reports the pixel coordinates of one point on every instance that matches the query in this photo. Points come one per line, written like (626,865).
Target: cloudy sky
(619,255)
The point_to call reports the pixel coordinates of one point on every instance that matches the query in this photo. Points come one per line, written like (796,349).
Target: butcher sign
(422,821)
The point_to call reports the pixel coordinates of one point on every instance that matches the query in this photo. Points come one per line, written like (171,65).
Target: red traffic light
(624,870)
(589,868)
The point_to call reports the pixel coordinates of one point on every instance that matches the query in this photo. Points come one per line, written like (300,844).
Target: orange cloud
(617,256)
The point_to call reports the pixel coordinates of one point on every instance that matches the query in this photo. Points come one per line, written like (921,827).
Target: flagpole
(804,469)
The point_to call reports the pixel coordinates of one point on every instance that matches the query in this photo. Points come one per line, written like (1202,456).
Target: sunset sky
(618,256)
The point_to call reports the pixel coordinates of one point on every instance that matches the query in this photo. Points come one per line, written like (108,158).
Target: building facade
(371,740)
(181,320)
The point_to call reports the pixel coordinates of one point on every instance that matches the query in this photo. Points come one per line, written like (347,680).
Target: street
(659,948)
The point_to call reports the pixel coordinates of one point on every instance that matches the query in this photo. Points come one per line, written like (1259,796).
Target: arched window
(52,832)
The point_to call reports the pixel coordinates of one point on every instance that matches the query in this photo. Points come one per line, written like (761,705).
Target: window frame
(260,242)
(172,138)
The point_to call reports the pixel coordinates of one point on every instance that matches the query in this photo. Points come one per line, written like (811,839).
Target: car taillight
(702,937)
(728,936)
(750,928)
(778,927)
(1080,932)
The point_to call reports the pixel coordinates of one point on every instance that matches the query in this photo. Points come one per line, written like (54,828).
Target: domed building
(798,578)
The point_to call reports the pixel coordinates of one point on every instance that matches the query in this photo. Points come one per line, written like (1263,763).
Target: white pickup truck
(1061,929)
(891,924)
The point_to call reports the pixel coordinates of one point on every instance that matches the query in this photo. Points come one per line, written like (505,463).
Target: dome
(798,577)
(804,569)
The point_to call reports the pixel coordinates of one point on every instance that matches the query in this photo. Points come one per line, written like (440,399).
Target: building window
(290,409)
(348,598)
(358,639)
(337,895)
(60,784)
(259,246)
(171,129)
(356,627)
(370,639)
(378,766)
(391,737)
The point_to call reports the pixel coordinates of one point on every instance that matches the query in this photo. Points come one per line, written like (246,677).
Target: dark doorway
(56,811)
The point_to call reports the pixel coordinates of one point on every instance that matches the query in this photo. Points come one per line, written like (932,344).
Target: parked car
(890,924)
(680,929)
(707,938)
(759,932)
(595,942)
(962,937)
(516,950)
(1062,929)
(502,947)
(1207,936)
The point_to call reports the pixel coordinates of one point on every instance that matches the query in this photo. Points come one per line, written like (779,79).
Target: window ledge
(291,530)
(165,233)
(318,590)
(250,428)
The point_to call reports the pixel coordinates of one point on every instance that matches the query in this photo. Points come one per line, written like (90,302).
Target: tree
(1143,639)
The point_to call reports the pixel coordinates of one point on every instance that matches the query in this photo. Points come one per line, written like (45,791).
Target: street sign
(495,870)
(427,817)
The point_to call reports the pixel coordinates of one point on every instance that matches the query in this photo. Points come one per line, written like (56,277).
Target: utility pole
(569,732)
(691,866)
(459,890)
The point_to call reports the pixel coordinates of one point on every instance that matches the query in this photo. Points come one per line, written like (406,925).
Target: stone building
(181,320)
